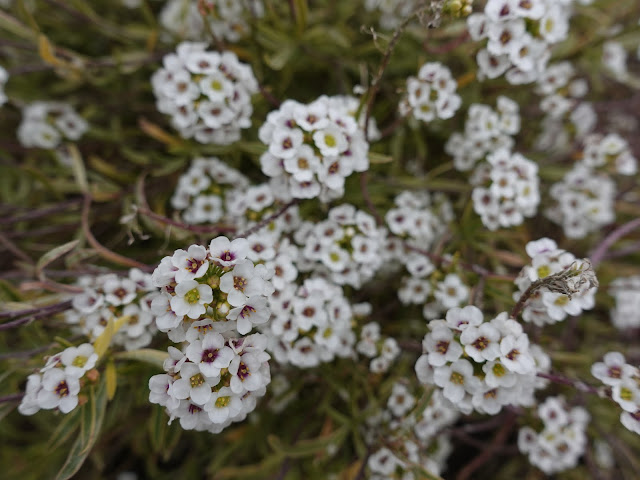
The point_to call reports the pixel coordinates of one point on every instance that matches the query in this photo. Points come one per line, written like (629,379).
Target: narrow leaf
(146,355)
(102,342)
(77,165)
(111,378)
(54,254)
(92,415)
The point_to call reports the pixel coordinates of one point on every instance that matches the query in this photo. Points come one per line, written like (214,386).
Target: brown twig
(13,397)
(144,209)
(31,314)
(599,252)
(266,221)
(101,249)
(577,384)
(489,451)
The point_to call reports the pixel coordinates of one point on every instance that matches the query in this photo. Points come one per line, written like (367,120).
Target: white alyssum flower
(432,94)
(314,145)
(561,442)
(207,94)
(46,124)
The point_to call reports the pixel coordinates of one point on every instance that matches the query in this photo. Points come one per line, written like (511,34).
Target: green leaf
(111,378)
(92,416)
(77,165)
(305,448)
(54,254)
(146,355)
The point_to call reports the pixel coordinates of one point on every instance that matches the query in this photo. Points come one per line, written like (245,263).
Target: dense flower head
(57,384)
(47,124)
(624,381)
(226,19)
(507,189)
(412,438)
(432,94)
(311,324)
(216,287)
(206,93)
(609,152)
(346,246)
(204,191)
(552,304)
(457,349)
(485,131)
(109,297)
(584,201)
(313,148)
(214,382)
(519,37)
(626,292)
(562,440)
(420,218)
(567,115)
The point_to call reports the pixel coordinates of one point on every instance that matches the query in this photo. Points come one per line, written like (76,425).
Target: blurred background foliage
(99,57)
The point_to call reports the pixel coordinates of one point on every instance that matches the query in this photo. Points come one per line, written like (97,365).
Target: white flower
(481,343)
(613,369)
(441,347)
(58,391)
(78,360)
(191,264)
(190,298)
(462,318)
(210,354)
(254,312)
(228,253)
(400,401)
(456,380)
(246,375)
(194,384)
(241,283)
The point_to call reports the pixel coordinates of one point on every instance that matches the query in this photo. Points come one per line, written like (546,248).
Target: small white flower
(78,360)
(190,298)
(58,391)
(228,253)
(210,354)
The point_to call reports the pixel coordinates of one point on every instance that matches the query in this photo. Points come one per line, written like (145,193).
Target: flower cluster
(4,76)
(485,130)
(432,94)
(561,442)
(626,292)
(345,247)
(507,191)
(226,20)
(585,201)
(216,381)
(412,440)
(211,288)
(624,380)
(206,93)
(479,365)
(382,351)
(567,115)
(311,324)
(609,152)
(46,124)
(58,383)
(110,297)
(519,37)
(420,219)
(313,148)
(570,288)
(210,298)
(206,189)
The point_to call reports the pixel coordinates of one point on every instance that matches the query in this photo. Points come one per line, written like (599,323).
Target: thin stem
(266,221)
(29,315)
(600,251)
(14,397)
(101,249)
(577,384)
